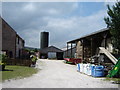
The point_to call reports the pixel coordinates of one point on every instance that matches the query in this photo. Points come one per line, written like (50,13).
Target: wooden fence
(21,62)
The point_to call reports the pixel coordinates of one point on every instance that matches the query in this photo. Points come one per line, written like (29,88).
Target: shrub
(3,59)
(34,58)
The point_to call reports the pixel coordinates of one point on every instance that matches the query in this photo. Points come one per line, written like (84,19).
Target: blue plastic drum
(78,67)
(92,70)
(98,71)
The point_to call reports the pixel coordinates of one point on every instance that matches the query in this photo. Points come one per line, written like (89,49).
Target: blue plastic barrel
(92,70)
(78,67)
(98,71)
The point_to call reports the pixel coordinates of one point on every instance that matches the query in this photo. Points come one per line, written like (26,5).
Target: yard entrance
(57,74)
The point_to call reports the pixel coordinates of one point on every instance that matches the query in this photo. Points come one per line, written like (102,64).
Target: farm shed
(67,53)
(87,47)
(51,52)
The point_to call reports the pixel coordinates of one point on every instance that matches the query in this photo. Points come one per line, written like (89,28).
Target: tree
(113,23)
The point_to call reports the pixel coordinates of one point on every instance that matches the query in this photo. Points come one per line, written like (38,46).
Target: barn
(51,52)
(88,47)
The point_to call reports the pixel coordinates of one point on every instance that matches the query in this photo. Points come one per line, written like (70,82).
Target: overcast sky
(64,20)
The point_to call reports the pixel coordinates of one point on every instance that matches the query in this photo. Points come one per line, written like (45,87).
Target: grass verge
(14,72)
(112,79)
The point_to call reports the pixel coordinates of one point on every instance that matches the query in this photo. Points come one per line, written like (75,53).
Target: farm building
(69,52)
(89,48)
(46,51)
(51,52)
(11,43)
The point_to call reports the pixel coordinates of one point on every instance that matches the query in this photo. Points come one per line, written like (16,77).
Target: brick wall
(8,39)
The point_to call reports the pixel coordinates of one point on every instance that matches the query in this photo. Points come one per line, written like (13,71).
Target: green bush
(34,59)
(3,59)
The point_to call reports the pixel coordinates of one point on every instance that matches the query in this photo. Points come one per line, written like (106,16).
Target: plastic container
(81,67)
(89,69)
(92,70)
(78,67)
(98,71)
(85,68)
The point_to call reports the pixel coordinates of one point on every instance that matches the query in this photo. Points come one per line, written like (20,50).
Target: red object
(73,60)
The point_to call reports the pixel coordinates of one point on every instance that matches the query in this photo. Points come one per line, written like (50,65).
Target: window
(10,54)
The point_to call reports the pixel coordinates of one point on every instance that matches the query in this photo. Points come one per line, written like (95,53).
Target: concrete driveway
(56,74)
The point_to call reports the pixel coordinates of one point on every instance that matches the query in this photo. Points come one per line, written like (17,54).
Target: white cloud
(62,29)
(30,20)
(29,7)
(53,11)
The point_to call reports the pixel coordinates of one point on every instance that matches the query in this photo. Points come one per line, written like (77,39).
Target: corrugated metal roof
(50,49)
(102,30)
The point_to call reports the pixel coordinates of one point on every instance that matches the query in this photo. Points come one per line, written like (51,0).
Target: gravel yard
(56,74)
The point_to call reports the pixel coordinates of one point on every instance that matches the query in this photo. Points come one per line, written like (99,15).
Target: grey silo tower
(44,40)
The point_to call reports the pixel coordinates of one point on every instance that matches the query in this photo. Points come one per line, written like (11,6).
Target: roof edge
(93,33)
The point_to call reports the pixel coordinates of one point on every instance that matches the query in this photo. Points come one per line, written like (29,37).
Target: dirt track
(56,74)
